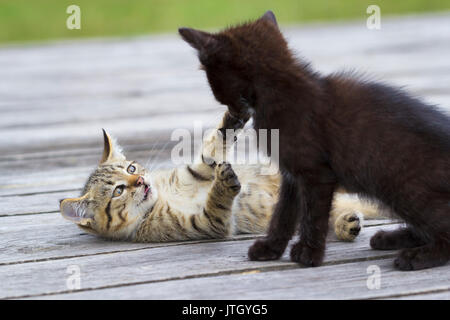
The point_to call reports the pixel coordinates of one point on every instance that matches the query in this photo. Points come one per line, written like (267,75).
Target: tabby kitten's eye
(118,191)
(131,169)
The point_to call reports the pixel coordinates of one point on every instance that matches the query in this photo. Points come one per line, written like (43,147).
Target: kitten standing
(335,130)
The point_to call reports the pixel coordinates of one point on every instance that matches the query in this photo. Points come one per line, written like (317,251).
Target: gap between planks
(170,266)
(143,246)
(263,269)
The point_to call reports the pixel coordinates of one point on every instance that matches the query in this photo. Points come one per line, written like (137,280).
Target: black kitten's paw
(225,173)
(263,250)
(380,241)
(420,258)
(234,122)
(307,256)
(393,240)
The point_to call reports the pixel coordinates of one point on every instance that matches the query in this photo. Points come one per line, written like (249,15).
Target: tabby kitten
(122,200)
(335,130)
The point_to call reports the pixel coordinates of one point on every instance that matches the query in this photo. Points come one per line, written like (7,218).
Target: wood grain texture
(343,281)
(27,238)
(432,295)
(156,263)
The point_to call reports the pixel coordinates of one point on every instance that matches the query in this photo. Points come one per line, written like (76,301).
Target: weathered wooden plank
(440,295)
(157,264)
(48,236)
(35,203)
(70,180)
(75,162)
(31,185)
(343,281)
(119,91)
(158,143)
(141,89)
(18,140)
(136,104)
(147,105)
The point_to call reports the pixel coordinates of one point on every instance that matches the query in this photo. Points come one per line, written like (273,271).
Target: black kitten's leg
(428,256)
(314,214)
(231,122)
(397,239)
(436,251)
(282,225)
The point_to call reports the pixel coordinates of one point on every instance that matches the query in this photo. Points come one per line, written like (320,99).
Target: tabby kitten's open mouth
(147,190)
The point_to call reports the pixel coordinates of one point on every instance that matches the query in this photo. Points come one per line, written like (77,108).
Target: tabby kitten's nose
(139,181)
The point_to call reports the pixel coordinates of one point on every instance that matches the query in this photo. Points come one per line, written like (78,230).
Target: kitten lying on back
(334,130)
(122,200)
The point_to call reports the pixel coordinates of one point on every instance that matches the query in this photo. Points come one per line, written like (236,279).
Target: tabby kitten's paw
(212,149)
(307,256)
(348,225)
(263,250)
(229,179)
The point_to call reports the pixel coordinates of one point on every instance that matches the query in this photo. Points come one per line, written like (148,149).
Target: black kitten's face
(227,75)
(230,88)
(228,57)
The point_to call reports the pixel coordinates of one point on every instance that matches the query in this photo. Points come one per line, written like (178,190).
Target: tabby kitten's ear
(111,149)
(77,210)
(270,17)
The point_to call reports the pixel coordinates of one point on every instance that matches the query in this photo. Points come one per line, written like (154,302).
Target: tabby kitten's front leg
(215,148)
(216,219)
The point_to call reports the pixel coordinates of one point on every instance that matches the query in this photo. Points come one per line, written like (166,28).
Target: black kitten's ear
(270,16)
(196,38)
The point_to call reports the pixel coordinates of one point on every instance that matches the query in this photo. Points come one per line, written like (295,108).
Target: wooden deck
(54,100)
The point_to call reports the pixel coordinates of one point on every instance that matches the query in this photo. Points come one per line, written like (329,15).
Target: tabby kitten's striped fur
(123,200)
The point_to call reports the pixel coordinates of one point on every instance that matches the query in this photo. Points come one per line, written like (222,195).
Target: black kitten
(335,130)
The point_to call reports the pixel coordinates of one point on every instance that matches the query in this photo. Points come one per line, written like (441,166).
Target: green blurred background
(24,20)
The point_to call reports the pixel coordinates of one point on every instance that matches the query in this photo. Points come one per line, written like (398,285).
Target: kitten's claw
(225,173)
(348,226)
(307,256)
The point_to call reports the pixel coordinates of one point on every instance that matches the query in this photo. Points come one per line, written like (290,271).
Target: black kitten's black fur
(335,131)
